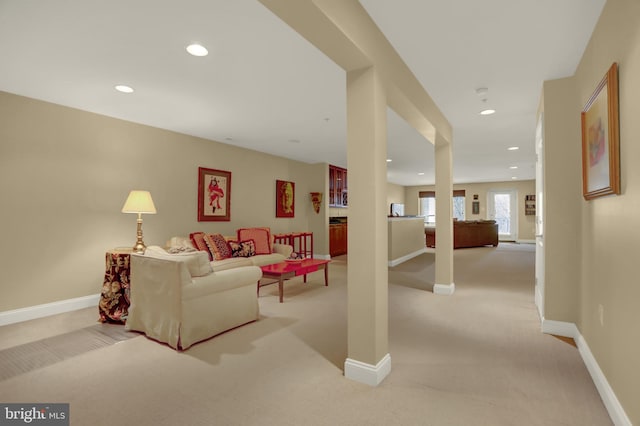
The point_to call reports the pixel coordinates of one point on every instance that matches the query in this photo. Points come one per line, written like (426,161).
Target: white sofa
(279,254)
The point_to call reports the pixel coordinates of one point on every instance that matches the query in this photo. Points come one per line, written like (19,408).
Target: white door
(539,295)
(503,208)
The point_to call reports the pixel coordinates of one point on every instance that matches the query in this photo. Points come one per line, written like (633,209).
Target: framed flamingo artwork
(214,195)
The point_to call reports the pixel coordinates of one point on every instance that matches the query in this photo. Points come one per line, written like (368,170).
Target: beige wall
(526,224)
(563,195)
(65,174)
(395,194)
(606,266)
(317,176)
(610,241)
(406,238)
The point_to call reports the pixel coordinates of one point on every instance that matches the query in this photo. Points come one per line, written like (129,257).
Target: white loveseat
(183,298)
(172,305)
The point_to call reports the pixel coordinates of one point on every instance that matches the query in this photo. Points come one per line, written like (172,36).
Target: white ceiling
(264,87)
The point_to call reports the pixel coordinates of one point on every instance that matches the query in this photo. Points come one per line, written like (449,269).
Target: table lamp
(139,202)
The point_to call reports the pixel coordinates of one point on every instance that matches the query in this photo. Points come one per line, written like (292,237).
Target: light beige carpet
(37,354)
(474,358)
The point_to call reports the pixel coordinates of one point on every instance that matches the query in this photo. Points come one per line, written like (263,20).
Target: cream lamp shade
(139,202)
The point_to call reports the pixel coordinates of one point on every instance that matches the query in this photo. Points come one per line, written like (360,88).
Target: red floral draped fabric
(114,299)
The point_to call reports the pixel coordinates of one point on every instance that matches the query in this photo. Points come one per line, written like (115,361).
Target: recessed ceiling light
(197,50)
(513,148)
(513,177)
(389,160)
(482,92)
(124,89)
(421,174)
(513,167)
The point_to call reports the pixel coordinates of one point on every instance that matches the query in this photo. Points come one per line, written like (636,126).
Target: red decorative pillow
(260,236)
(242,248)
(218,246)
(197,238)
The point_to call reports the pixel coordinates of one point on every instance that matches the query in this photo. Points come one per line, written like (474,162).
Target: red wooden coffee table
(286,270)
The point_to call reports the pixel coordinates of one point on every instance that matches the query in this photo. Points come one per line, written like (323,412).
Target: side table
(302,242)
(114,298)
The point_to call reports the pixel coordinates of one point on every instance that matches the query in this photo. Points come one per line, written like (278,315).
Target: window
(502,207)
(458,206)
(428,209)
(428,205)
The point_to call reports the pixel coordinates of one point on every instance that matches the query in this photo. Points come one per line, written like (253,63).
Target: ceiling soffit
(345,32)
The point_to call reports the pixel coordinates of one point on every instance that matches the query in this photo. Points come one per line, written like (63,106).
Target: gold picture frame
(214,195)
(285,198)
(600,139)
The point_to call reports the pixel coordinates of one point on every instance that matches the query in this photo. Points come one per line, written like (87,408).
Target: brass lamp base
(139,247)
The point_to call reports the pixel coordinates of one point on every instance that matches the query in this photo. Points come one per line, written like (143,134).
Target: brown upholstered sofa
(468,233)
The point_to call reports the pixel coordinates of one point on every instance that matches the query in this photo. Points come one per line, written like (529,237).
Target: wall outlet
(601,314)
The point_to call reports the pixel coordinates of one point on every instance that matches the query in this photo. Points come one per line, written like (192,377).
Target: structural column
(367,290)
(444,217)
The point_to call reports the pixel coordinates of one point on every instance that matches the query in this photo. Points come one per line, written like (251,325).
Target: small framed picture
(214,195)
(600,144)
(285,198)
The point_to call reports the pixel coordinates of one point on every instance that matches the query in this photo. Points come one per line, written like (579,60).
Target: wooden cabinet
(338,195)
(337,239)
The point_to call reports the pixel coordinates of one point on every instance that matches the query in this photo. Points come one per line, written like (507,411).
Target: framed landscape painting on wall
(600,139)
(214,195)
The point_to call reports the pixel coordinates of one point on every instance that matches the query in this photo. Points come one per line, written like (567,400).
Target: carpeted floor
(475,358)
(41,353)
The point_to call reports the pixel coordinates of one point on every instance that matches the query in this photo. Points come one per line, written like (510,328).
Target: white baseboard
(444,289)
(560,328)
(526,241)
(368,374)
(322,256)
(566,329)
(399,260)
(47,309)
(538,301)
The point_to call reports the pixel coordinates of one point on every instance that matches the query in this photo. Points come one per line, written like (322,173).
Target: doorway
(539,290)
(503,208)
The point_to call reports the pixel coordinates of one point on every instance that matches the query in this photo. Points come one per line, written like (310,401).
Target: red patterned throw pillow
(242,248)
(218,246)
(197,238)
(260,236)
